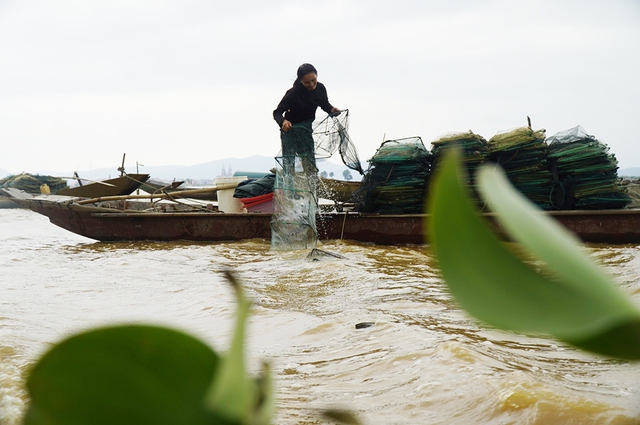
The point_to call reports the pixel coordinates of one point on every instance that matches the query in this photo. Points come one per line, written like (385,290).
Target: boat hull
(109,224)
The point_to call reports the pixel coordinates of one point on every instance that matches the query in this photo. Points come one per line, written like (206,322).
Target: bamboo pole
(178,194)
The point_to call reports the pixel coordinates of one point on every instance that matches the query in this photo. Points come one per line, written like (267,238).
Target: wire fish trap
(473,149)
(522,154)
(472,146)
(396,180)
(585,172)
(516,139)
(31,183)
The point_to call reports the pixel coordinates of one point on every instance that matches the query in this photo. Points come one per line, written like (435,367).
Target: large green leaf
(122,375)
(137,374)
(577,303)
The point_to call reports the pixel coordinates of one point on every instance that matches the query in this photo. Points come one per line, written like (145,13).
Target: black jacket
(300,104)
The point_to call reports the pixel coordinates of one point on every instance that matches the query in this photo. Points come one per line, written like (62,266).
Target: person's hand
(286,125)
(334,112)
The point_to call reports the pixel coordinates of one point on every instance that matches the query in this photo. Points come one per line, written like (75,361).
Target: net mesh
(295,203)
(31,183)
(331,135)
(585,172)
(295,199)
(474,151)
(570,170)
(396,180)
(522,154)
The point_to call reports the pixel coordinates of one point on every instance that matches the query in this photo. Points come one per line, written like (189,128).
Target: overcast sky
(191,81)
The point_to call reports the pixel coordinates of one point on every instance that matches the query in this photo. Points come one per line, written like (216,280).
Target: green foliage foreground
(148,375)
(574,301)
(151,375)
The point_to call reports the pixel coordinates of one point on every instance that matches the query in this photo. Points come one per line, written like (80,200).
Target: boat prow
(123,185)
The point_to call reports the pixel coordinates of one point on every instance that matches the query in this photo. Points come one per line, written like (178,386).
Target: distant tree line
(346,174)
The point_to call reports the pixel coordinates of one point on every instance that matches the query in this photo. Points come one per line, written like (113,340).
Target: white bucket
(226,202)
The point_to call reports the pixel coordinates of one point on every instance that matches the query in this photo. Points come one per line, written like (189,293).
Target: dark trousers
(298,141)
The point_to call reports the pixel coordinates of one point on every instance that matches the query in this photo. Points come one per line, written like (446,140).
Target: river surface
(423,362)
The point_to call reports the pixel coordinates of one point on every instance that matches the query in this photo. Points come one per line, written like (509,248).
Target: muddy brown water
(423,361)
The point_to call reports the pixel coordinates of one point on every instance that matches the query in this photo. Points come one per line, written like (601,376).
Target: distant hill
(208,171)
(629,172)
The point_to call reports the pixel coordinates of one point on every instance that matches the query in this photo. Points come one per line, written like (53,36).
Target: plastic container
(226,202)
(261,203)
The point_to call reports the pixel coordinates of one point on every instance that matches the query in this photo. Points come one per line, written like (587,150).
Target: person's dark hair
(303,70)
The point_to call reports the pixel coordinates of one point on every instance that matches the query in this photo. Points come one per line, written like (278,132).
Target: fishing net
(585,172)
(522,154)
(396,180)
(633,190)
(295,199)
(474,151)
(295,203)
(31,183)
(331,135)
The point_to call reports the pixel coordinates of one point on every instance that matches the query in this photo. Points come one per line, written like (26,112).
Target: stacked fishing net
(522,153)
(32,183)
(396,180)
(585,172)
(632,188)
(473,148)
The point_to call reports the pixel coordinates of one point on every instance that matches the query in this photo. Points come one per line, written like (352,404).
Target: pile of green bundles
(568,171)
(31,183)
(473,148)
(522,153)
(396,180)
(585,173)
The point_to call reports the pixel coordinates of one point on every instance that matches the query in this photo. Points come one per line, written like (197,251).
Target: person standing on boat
(295,114)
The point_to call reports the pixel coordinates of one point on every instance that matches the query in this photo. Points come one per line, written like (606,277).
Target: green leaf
(578,304)
(126,375)
(265,403)
(233,394)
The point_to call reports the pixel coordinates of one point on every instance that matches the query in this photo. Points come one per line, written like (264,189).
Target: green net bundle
(633,190)
(473,148)
(585,172)
(522,153)
(31,183)
(396,180)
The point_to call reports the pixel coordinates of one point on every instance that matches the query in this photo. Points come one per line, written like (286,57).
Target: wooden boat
(155,187)
(152,186)
(122,185)
(337,190)
(7,202)
(30,183)
(121,220)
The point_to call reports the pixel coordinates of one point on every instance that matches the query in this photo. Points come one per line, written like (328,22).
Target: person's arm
(278,113)
(325,104)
